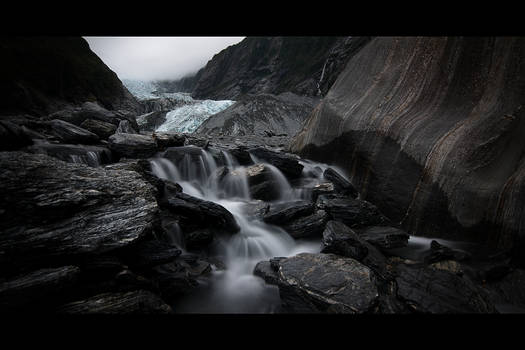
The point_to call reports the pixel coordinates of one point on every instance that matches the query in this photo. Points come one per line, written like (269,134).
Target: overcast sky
(153,58)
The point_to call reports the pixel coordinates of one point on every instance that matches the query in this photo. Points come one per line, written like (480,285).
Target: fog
(157,58)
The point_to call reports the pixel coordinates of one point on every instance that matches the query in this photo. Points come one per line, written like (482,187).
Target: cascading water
(235,289)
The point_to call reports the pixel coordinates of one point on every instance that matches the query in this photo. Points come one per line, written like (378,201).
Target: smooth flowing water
(235,289)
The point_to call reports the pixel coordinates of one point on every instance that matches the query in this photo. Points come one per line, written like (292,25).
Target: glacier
(186,118)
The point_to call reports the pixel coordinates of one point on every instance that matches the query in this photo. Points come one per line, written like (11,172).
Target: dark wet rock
(283,213)
(274,262)
(354,213)
(199,238)
(266,191)
(341,240)
(37,286)
(257,209)
(430,290)
(448,265)
(287,164)
(168,140)
(326,283)
(322,188)
(81,154)
(508,293)
(101,267)
(177,154)
(197,213)
(385,237)
(173,280)
(133,145)
(341,185)
(151,121)
(265,115)
(241,155)
(195,265)
(307,226)
(53,210)
(102,129)
(135,302)
(146,254)
(125,127)
(70,133)
(264,270)
(439,252)
(12,136)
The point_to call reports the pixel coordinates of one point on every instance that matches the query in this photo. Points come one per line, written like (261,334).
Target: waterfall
(235,289)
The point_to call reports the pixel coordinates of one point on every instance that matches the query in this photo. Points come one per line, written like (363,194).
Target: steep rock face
(262,114)
(431,131)
(40,75)
(272,65)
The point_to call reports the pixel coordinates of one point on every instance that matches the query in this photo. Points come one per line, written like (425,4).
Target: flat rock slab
(133,145)
(354,213)
(326,283)
(135,302)
(35,286)
(307,226)
(70,133)
(282,213)
(430,290)
(385,237)
(98,127)
(50,209)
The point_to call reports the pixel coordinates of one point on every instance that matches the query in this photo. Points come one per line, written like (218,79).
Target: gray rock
(287,164)
(133,145)
(341,240)
(125,127)
(385,237)
(326,283)
(80,154)
(100,128)
(135,302)
(354,213)
(264,270)
(341,185)
(53,210)
(307,226)
(12,136)
(283,213)
(70,133)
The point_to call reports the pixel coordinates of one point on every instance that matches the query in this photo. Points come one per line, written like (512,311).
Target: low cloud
(156,58)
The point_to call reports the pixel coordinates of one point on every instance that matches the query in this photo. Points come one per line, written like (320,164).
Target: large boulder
(315,283)
(133,145)
(430,130)
(51,210)
(70,133)
(102,129)
(355,213)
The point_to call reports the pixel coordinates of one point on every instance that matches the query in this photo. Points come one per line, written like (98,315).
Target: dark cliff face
(43,74)
(274,65)
(431,130)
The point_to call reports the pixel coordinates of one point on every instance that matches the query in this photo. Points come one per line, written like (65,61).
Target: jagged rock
(135,302)
(341,240)
(385,237)
(430,290)
(169,140)
(439,252)
(326,283)
(124,127)
(341,185)
(264,270)
(322,188)
(146,254)
(70,133)
(307,226)
(133,145)
(52,210)
(12,136)
(197,213)
(354,213)
(287,164)
(81,154)
(102,129)
(283,213)
(37,286)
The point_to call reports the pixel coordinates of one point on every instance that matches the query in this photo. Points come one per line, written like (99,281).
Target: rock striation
(430,130)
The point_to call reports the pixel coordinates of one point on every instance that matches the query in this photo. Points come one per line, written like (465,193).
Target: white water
(236,289)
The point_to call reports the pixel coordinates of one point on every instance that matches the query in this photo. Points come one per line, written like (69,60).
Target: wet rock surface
(133,145)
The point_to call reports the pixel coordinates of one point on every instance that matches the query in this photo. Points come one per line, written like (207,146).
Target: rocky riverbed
(98,217)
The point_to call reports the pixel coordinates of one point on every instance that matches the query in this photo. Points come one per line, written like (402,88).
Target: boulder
(133,145)
(70,133)
(51,210)
(124,127)
(354,213)
(385,237)
(439,252)
(307,226)
(264,270)
(102,129)
(341,185)
(169,140)
(135,302)
(151,121)
(287,164)
(283,213)
(314,283)
(430,290)
(37,286)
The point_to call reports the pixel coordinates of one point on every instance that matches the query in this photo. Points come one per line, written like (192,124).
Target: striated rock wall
(431,130)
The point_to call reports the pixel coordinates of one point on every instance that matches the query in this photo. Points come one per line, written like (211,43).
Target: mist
(157,58)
